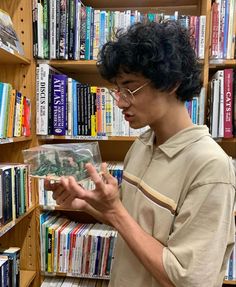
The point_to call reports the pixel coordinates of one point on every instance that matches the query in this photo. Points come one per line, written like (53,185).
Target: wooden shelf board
(12,58)
(140,3)
(230,282)
(26,277)
(57,207)
(75,276)
(15,139)
(221,63)
(69,66)
(98,138)
(5,228)
(223,140)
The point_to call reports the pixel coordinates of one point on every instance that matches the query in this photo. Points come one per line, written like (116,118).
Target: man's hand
(102,202)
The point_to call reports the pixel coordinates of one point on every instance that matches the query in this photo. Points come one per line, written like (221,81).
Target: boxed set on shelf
(56,160)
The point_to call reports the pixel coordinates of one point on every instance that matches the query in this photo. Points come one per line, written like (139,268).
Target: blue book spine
(3,105)
(59,104)
(194,111)
(75,107)
(102,34)
(88,33)
(91,34)
(226,29)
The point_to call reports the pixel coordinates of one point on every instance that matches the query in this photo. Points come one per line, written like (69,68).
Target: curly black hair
(162,52)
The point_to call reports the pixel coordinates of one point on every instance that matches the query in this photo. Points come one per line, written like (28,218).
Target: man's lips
(128,116)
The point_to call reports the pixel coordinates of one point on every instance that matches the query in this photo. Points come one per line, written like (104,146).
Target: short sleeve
(202,238)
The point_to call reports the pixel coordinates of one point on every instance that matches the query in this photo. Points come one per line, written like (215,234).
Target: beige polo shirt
(182,193)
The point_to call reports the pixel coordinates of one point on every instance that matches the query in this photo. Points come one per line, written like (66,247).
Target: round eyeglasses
(125,94)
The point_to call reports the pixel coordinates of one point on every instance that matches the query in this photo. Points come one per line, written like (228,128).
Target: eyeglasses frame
(125,97)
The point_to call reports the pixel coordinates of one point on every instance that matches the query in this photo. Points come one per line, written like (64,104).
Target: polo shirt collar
(178,141)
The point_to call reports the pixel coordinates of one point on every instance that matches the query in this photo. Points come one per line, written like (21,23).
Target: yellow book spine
(11,114)
(93,126)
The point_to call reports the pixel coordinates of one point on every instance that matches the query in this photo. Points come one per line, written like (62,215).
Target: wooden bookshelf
(20,72)
(15,140)
(7,57)
(87,138)
(230,282)
(221,63)
(80,276)
(26,277)
(5,228)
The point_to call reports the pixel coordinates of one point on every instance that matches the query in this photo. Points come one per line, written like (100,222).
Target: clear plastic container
(56,160)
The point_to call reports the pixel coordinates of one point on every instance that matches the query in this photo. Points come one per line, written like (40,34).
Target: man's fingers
(80,192)
(96,178)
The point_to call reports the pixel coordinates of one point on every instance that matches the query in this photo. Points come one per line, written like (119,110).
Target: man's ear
(174,89)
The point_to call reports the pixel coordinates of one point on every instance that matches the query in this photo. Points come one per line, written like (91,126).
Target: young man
(175,216)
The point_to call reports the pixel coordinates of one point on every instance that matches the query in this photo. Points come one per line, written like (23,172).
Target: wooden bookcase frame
(20,72)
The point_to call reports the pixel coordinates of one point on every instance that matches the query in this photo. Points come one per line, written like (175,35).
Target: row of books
(15,191)
(10,267)
(45,196)
(14,112)
(231,265)
(223,29)
(76,249)
(221,113)
(73,282)
(67,107)
(69,30)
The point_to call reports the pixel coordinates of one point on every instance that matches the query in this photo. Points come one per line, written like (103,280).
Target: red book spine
(228,103)
(215,30)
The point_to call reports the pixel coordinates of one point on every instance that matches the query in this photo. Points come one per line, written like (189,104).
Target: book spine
(91,34)
(226,29)
(76,51)
(215,30)
(43,99)
(7,115)
(7,194)
(17,120)
(58,21)
(46,17)
(52,23)
(63,29)
(35,30)
(228,102)
(71,28)
(11,113)
(202,33)
(88,33)
(59,104)
(82,32)
(75,107)
(69,108)
(3,108)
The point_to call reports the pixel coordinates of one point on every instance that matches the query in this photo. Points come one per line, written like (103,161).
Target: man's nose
(122,103)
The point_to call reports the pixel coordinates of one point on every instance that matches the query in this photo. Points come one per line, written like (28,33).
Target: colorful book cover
(59,93)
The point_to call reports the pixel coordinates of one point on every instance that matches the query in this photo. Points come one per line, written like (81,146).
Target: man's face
(146,106)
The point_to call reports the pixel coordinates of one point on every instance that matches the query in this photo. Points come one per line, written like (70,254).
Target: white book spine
(70,108)
(43,99)
(202,32)
(40,30)
(52,23)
